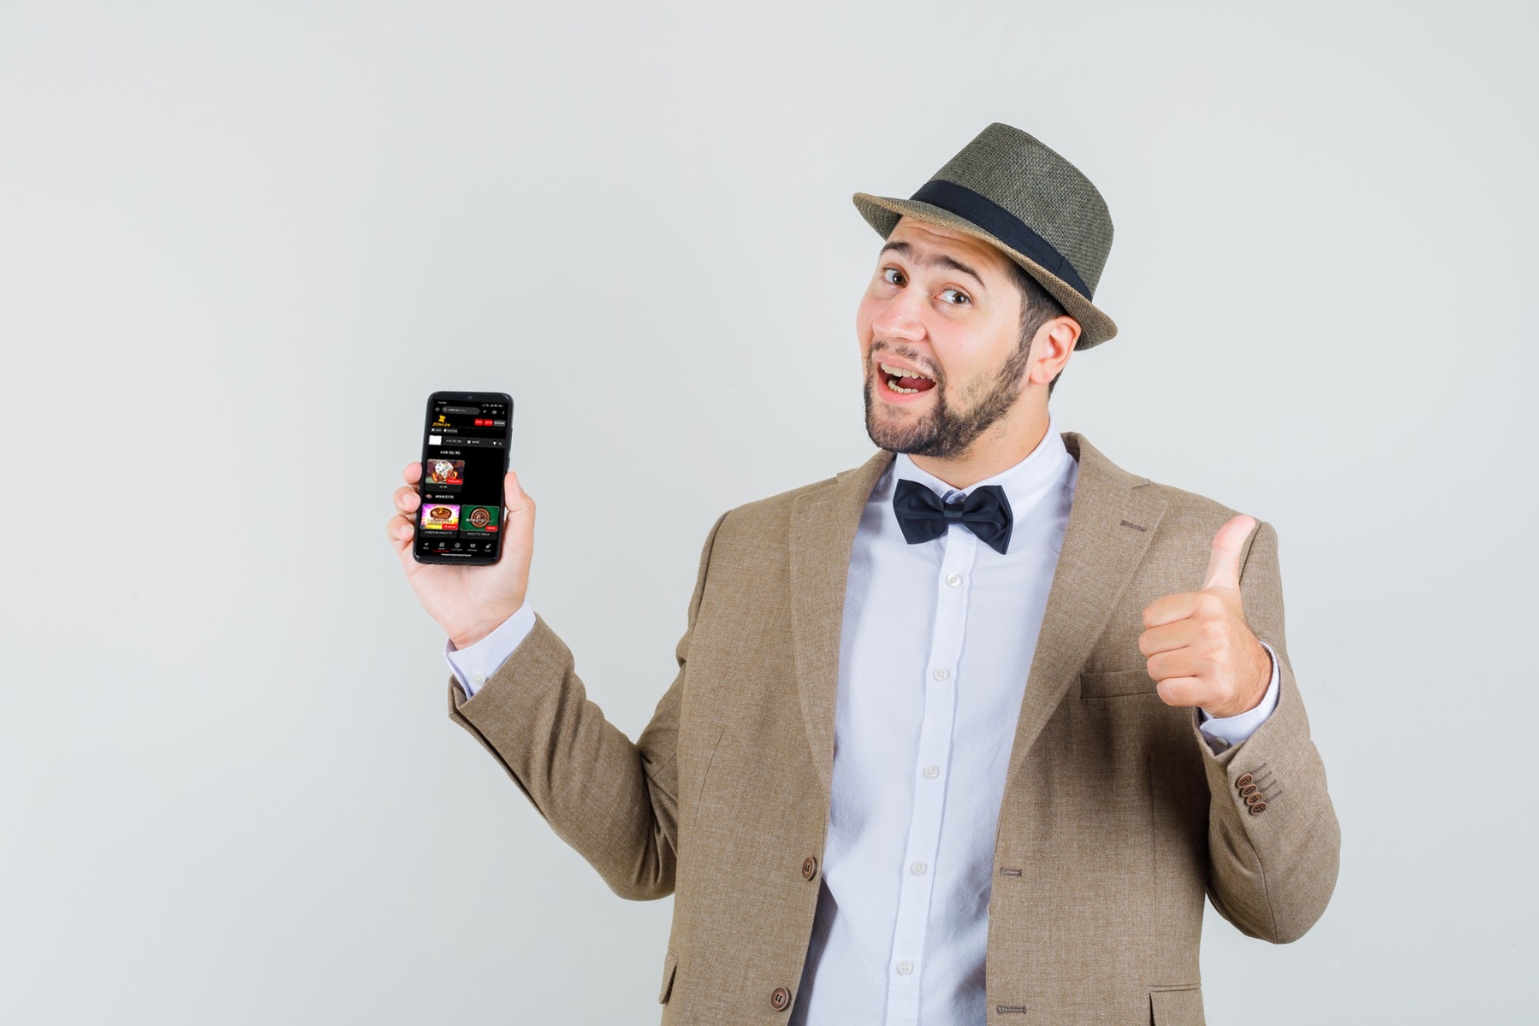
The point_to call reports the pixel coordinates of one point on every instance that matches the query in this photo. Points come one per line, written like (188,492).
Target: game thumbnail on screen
(479,520)
(438,517)
(446,473)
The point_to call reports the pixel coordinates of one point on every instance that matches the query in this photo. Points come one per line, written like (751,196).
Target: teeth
(899,372)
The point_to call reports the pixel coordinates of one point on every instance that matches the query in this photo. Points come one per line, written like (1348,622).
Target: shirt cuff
(1229,731)
(473,664)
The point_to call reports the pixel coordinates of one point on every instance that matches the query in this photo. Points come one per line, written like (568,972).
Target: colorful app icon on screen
(446,473)
(479,519)
(438,517)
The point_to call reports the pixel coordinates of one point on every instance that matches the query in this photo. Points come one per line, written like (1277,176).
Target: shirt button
(952,580)
(918,868)
(478,679)
(905,968)
(942,673)
(931,772)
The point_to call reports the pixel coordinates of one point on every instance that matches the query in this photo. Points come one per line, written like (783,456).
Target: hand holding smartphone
(464,457)
(463,527)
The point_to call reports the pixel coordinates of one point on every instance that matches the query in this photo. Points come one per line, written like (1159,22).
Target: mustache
(912,355)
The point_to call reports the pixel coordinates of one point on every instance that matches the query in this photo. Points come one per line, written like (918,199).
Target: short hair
(1037,308)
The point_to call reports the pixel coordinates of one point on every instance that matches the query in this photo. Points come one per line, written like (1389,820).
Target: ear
(1051,348)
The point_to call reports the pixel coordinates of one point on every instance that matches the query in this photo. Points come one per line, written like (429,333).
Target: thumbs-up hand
(1199,647)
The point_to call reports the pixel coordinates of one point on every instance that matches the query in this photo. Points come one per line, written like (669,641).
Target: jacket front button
(809,868)
(780,999)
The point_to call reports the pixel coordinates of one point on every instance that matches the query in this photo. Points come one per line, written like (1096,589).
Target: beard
(947,432)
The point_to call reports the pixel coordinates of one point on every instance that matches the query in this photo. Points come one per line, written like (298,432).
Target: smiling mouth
(905,381)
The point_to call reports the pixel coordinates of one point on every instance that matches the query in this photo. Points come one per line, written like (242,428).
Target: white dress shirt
(936,644)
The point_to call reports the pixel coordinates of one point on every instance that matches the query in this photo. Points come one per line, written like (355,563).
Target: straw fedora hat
(1014,193)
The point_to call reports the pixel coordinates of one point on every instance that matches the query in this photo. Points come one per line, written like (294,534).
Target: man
(963,735)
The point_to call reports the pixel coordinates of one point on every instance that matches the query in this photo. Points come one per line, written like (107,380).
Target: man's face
(940,337)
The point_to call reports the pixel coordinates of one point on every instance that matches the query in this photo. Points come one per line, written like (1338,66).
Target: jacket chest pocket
(670,966)
(1176,1006)
(1116,684)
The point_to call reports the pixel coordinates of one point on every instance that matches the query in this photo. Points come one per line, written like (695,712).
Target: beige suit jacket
(1117,818)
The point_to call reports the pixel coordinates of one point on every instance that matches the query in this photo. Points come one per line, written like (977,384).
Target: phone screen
(464,458)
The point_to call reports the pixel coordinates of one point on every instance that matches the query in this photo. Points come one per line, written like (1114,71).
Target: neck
(995,451)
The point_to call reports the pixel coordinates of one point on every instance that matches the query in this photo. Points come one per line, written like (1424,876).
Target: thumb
(1224,562)
(519,505)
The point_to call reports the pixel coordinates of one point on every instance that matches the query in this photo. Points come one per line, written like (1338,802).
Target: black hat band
(1001,224)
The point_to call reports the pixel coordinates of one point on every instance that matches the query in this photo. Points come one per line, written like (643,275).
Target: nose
(899,318)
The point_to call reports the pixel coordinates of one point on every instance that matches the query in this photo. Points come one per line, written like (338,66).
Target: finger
(1168,637)
(1182,692)
(1224,560)
(400,530)
(1180,662)
(412,474)
(514,497)
(407,500)
(520,508)
(1170,608)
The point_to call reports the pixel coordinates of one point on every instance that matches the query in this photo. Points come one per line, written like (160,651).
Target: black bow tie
(923,516)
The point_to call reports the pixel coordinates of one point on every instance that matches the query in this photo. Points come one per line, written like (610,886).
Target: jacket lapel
(823,524)
(1110,525)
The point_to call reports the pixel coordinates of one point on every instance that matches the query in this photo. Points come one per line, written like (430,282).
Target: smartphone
(464,458)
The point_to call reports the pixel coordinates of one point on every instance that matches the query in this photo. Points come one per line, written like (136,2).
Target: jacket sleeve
(615,801)
(1273,839)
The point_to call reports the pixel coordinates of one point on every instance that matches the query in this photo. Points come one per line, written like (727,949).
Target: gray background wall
(239,244)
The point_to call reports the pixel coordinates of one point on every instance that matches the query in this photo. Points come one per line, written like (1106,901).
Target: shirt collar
(1025,483)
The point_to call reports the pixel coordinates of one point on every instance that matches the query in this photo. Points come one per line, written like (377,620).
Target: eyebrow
(940,260)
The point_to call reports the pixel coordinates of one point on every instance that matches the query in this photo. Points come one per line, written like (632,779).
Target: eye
(955,297)
(892,276)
